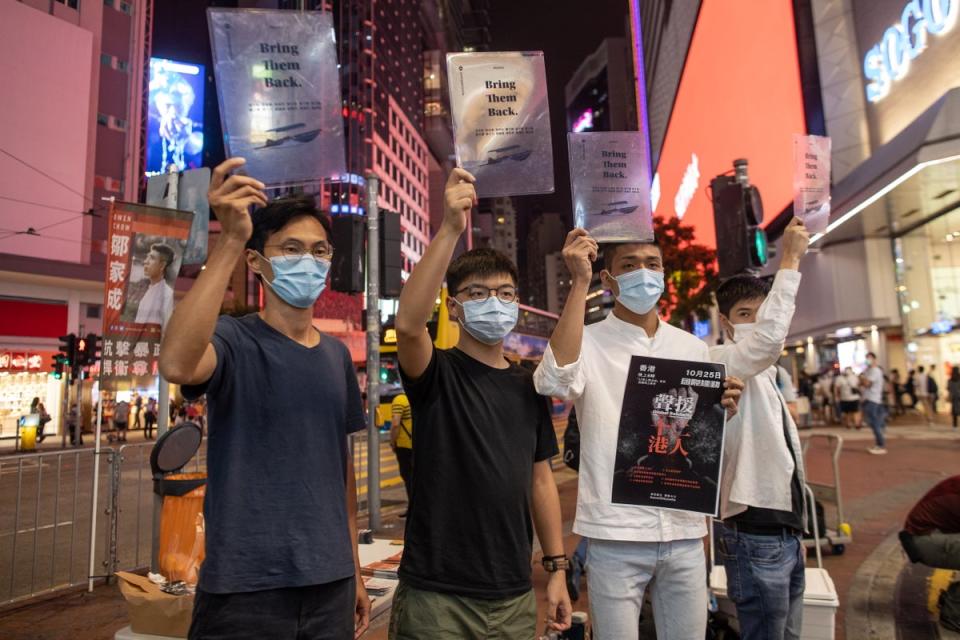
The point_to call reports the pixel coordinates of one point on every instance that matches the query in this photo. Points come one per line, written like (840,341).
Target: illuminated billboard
(175,127)
(739,97)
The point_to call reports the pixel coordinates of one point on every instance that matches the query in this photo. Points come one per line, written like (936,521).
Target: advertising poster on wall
(279,92)
(501,121)
(610,185)
(811,181)
(670,445)
(144,253)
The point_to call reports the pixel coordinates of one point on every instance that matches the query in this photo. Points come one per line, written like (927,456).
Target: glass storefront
(17,391)
(931,287)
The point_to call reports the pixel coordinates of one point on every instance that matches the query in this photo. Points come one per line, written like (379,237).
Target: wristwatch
(552,564)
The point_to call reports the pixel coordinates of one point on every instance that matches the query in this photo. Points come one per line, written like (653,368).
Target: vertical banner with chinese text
(501,121)
(610,185)
(670,445)
(811,181)
(278,84)
(144,252)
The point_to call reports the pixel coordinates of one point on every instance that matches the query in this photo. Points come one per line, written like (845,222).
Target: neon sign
(585,121)
(889,60)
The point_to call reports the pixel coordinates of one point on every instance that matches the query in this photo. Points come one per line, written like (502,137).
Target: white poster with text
(811,181)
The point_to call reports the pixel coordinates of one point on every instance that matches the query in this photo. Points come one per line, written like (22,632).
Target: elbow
(406,327)
(172,371)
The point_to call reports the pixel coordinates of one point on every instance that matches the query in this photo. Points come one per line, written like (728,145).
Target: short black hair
(280,212)
(479,262)
(609,250)
(166,252)
(739,288)
(872,355)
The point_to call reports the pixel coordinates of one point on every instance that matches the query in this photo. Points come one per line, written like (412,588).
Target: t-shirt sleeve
(224,341)
(422,387)
(546,436)
(356,420)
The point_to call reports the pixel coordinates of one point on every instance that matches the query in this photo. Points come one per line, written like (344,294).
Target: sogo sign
(889,60)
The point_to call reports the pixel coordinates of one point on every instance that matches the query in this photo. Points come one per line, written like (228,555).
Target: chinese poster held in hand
(811,181)
(279,91)
(610,180)
(501,121)
(670,446)
(144,253)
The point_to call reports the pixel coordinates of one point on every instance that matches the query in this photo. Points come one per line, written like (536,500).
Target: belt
(755,529)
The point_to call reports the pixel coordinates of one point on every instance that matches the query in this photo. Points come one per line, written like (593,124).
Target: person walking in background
(121,417)
(401,440)
(910,388)
(150,418)
(953,390)
(37,407)
(922,389)
(73,425)
(137,411)
(897,389)
(845,388)
(933,392)
(872,381)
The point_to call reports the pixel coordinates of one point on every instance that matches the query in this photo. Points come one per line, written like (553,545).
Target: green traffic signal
(759,247)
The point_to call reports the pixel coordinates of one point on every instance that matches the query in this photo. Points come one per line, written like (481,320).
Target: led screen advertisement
(175,125)
(739,97)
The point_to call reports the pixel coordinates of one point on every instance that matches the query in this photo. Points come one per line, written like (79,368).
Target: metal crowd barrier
(45,515)
(45,508)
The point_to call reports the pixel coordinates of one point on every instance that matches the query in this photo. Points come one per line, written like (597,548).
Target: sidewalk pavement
(878,491)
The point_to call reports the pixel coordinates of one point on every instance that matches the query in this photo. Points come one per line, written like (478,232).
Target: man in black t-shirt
(482,450)
(281,502)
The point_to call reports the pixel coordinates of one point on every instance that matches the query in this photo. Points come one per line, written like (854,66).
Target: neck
(489,354)
(296,324)
(156,280)
(648,321)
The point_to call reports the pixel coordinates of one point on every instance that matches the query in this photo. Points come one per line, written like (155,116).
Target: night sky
(567,31)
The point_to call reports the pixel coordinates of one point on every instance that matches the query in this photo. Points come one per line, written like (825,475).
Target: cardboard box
(151,610)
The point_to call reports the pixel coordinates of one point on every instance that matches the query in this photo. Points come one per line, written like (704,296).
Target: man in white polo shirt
(629,545)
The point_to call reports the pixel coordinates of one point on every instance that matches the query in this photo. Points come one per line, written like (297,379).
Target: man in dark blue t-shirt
(281,508)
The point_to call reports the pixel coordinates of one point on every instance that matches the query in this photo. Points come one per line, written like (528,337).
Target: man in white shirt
(874,411)
(156,305)
(762,501)
(921,387)
(629,545)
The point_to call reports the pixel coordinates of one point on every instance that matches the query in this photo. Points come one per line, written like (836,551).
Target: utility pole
(373,350)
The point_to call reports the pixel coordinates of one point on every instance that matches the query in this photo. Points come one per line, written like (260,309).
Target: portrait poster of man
(670,445)
(144,252)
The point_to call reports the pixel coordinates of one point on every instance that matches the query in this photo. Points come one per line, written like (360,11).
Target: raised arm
(559,374)
(186,354)
(762,348)
(419,294)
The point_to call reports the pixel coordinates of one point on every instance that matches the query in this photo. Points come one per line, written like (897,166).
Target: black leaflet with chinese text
(670,445)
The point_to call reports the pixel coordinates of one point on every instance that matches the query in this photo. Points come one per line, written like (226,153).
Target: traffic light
(346,272)
(88,349)
(58,366)
(391,256)
(68,347)
(737,214)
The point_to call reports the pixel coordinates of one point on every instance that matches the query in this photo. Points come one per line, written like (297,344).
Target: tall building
(70,139)
(547,234)
(559,281)
(495,225)
(600,94)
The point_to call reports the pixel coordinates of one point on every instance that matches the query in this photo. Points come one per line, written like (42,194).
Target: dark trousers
(405,462)
(149,421)
(318,612)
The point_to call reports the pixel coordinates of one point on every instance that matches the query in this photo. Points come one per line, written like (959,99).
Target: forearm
(192,324)
(546,515)
(419,293)
(567,338)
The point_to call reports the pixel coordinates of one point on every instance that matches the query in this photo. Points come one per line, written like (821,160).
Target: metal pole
(64,410)
(163,393)
(373,350)
(96,489)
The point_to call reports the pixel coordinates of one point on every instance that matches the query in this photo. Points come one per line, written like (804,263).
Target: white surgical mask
(743,330)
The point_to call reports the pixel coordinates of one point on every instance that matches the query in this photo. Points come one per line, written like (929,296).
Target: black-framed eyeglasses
(506,293)
(293,251)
